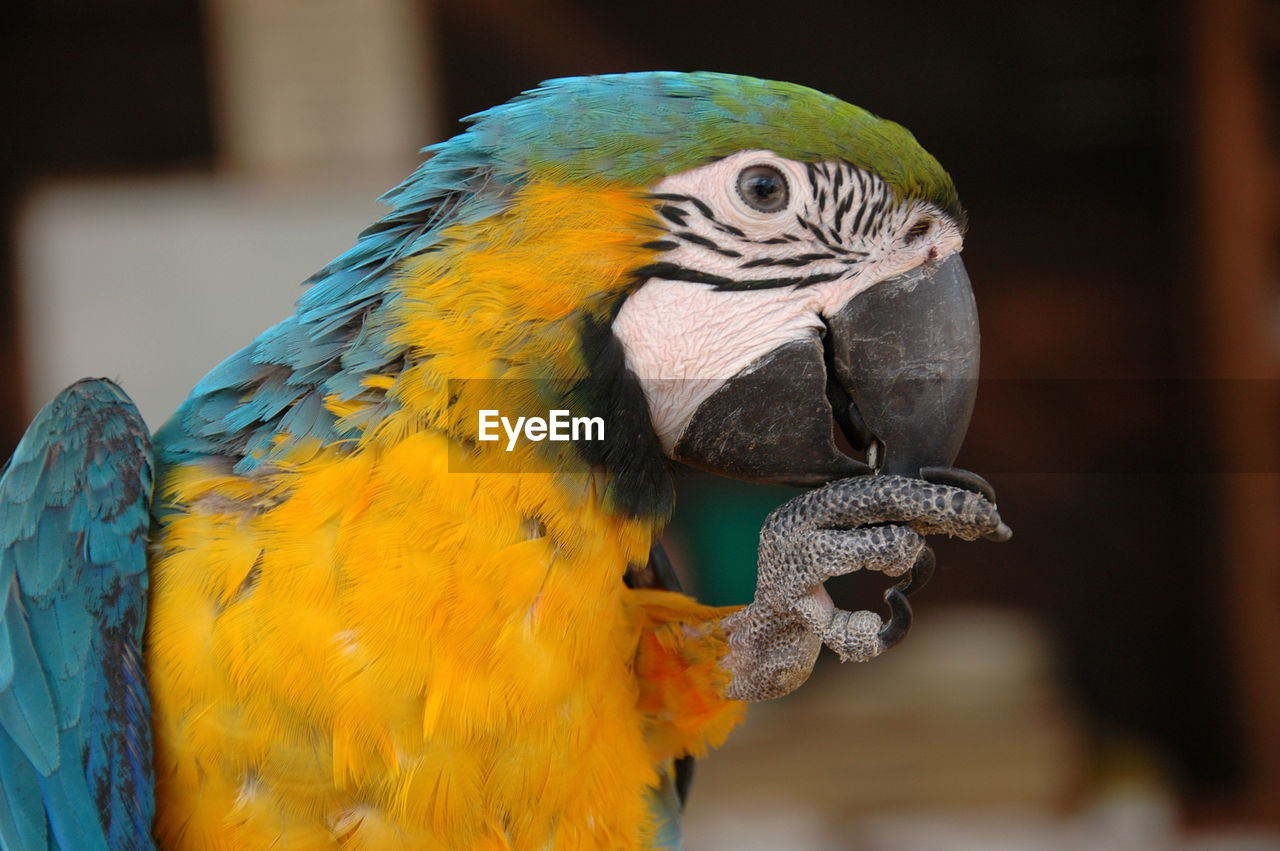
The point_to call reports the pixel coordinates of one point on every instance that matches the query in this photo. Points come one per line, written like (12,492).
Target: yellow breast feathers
(364,647)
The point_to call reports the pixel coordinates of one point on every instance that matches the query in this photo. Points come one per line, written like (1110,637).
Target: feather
(22,819)
(26,707)
(72,620)
(74,818)
(6,655)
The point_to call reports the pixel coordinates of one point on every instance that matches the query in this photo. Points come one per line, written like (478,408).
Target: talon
(965,480)
(899,619)
(873,522)
(919,574)
(957,478)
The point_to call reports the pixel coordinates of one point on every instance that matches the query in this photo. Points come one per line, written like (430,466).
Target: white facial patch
(736,283)
(683,340)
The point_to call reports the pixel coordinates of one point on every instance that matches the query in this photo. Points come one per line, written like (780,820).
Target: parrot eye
(763,188)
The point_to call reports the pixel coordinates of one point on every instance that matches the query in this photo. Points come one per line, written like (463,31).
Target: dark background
(1076,134)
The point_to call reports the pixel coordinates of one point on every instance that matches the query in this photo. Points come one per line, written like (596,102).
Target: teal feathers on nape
(75,735)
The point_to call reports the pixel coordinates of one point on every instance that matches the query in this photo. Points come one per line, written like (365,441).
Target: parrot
(392,575)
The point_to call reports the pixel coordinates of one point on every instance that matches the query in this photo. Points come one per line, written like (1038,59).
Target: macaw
(375,624)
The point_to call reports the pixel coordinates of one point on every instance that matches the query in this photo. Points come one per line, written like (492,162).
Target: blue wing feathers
(123,703)
(75,740)
(63,632)
(26,707)
(6,654)
(73,817)
(41,565)
(22,820)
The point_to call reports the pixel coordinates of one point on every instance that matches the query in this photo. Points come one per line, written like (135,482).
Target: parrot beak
(905,353)
(895,374)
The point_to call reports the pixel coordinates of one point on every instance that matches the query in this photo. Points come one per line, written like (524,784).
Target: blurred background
(172,170)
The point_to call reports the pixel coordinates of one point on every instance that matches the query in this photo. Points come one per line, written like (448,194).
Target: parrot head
(748,277)
(826,306)
(802,313)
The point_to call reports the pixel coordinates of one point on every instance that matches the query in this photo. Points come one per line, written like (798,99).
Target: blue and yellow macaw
(383,616)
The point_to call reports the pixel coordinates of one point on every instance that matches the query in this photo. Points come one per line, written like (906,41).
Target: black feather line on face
(707,213)
(673,214)
(702,241)
(639,473)
(675,272)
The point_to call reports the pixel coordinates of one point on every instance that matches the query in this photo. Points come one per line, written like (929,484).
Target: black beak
(905,354)
(897,372)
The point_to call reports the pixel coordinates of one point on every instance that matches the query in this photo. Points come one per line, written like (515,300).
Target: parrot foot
(862,523)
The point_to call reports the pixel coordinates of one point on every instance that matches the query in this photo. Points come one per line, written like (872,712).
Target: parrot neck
(506,307)
(508,323)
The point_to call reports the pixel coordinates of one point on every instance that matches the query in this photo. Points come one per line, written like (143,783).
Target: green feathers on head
(641,127)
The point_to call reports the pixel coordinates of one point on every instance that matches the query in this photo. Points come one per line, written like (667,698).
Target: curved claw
(957,478)
(900,614)
(919,574)
(899,623)
(965,480)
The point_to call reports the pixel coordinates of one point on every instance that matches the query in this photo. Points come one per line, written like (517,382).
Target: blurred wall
(85,89)
(318,107)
